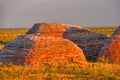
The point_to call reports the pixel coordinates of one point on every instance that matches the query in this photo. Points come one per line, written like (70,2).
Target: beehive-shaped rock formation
(33,49)
(111,49)
(50,29)
(90,42)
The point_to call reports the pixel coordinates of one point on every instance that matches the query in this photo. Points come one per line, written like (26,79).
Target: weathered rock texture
(90,42)
(36,49)
(111,49)
(50,29)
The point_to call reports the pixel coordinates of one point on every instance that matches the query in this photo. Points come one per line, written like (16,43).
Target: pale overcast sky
(24,13)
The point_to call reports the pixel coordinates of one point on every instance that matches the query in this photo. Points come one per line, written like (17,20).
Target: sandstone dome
(90,42)
(50,29)
(31,49)
(111,49)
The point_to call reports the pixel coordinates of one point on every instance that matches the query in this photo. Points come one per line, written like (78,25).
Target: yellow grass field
(8,34)
(107,30)
(73,71)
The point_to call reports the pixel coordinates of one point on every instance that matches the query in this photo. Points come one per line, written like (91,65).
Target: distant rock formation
(90,42)
(111,49)
(116,32)
(34,49)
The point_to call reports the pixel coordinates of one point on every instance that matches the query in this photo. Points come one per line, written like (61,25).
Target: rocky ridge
(50,43)
(36,49)
(90,42)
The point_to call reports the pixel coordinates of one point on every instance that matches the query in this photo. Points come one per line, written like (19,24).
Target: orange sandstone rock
(90,42)
(34,49)
(111,49)
(50,29)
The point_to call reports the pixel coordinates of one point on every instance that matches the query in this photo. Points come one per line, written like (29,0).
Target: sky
(25,13)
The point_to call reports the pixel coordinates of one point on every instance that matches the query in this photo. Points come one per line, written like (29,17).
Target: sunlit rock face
(33,49)
(89,42)
(111,49)
(50,29)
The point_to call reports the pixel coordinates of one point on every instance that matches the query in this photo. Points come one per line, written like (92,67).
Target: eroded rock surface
(50,29)
(49,43)
(90,42)
(34,49)
(111,49)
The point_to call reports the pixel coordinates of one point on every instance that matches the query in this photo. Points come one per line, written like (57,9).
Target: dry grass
(107,30)
(8,34)
(73,71)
